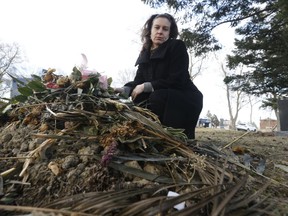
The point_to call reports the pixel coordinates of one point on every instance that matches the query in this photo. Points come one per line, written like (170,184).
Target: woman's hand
(137,90)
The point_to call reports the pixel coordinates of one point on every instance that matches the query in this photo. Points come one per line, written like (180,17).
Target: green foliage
(207,15)
(25,89)
(263,49)
(36,86)
(32,86)
(195,41)
(19,98)
(196,37)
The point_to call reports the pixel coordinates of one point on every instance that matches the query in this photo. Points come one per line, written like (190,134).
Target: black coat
(166,68)
(175,99)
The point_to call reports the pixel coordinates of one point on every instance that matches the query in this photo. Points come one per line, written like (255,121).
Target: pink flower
(103,82)
(86,73)
(52,85)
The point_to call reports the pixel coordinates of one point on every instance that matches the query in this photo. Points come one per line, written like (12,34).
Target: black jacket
(165,68)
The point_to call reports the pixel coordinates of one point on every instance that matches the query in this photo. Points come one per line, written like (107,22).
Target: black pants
(177,109)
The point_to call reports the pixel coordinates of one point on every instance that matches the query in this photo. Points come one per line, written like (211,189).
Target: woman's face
(160,31)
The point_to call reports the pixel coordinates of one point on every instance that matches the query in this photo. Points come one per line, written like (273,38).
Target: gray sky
(54,33)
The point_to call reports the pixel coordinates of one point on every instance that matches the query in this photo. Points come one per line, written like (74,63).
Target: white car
(245,127)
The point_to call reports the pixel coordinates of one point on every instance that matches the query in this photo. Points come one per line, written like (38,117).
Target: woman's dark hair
(146,30)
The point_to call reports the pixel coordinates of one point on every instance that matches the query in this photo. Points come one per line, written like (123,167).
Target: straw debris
(74,147)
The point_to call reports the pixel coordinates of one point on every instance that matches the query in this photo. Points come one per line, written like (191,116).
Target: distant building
(267,124)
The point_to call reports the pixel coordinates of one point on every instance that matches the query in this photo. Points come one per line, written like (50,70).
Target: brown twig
(229,144)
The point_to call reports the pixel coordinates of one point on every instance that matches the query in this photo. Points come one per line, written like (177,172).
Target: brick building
(268,124)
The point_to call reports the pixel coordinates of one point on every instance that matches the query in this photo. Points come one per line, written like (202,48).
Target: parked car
(204,122)
(245,127)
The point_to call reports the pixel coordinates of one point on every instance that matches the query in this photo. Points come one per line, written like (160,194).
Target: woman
(162,82)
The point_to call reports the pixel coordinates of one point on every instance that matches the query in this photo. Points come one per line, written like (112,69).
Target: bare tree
(10,55)
(235,100)
(239,99)
(252,100)
(125,76)
(196,64)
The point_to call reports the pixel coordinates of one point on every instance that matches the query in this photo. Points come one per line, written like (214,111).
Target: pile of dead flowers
(71,146)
